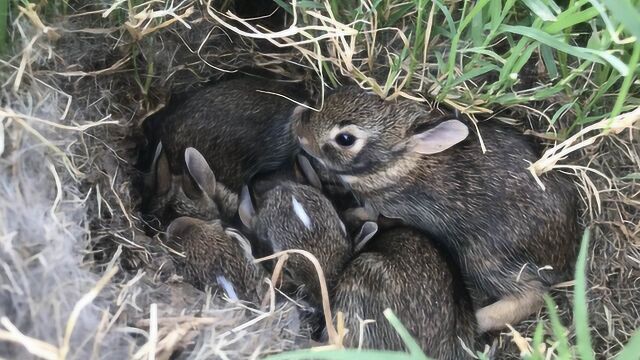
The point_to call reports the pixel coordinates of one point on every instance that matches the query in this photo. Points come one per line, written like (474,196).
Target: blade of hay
(73,171)
(335,338)
(5,112)
(77,309)
(559,152)
(36,347)
(26,52)
(30,12)
(520,341)
(58,197)
(1,136)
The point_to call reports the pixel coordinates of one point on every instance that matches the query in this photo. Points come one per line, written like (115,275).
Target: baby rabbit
(195,193)
(295,216)
(240,129)
(511,239)
(402,270)
(215,256)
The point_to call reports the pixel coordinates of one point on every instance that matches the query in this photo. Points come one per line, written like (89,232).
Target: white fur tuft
(301,213)
(227,286)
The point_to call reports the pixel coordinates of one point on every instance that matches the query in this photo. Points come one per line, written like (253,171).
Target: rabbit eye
(345,139)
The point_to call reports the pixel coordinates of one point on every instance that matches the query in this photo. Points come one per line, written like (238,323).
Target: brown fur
(169,196)
(239,130)
(400,269)
(210,252)
(486,209)
(276,225)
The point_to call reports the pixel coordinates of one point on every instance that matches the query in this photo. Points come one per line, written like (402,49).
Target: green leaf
(415,352)
(631,349)
(549,61)
(538,337)
(580,311)
(552,4)
(287,7)
(628,80)
(474,73)
(559,331)
(4,21)
(495,10)
(598,56)
(485,52)
(569,18)
(561,112)
(351,354)
(477,29)
(447,15)
(516,54)
(456,39)
(402,331)
(522,60)
(540,9)
(632,176)
(623,11)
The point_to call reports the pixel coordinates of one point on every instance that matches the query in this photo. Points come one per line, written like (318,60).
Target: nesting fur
(69,198)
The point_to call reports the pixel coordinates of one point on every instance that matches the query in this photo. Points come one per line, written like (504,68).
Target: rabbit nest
(77,274)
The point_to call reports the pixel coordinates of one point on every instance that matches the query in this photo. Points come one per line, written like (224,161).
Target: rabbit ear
(343,227)
(309,172)
(439,138)
(299,111)
(367,231)
(242,240)
(179,226)
(245,208)
(161,172)
(200,173)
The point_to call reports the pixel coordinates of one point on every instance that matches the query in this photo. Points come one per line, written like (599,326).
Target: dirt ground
(84,91)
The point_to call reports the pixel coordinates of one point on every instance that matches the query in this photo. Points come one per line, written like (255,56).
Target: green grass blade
(477,25)
(448,17)
(4,26)
(402,331)
(552,4)
(524,57)
(538,338)
(474,73)
(561,112)
(540,9)
(485,52)
(569,19)
(559,331)
(507,69)
(341,355)
(582,53)
(286,6)
(415,352)
(628,80)
(456,39)
(631,349)
(495,11)
(580,311)
(549,61)
(623,11)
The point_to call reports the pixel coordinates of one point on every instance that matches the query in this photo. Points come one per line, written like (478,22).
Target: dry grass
(80,274)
